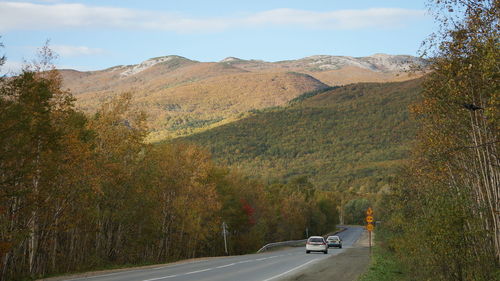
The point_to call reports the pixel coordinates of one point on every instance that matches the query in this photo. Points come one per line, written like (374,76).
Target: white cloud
(36,16)
(340,19)
(31,16)
(72,51)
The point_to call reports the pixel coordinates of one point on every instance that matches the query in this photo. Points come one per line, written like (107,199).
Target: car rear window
(316,240)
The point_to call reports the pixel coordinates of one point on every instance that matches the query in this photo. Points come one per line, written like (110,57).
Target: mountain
(318,63)
(183,96)
(341,70)
(352,137)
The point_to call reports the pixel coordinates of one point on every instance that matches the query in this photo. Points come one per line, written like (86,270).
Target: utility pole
(307,232)
(224,232)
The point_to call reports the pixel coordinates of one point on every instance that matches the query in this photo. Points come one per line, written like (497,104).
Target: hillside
(350,137)
(183,96)
(152,74)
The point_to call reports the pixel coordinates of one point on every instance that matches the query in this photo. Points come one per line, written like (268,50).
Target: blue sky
(90,35)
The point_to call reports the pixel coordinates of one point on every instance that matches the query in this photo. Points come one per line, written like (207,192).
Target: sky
(93,35)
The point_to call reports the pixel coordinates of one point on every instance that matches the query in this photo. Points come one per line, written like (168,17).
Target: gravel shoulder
(346,266)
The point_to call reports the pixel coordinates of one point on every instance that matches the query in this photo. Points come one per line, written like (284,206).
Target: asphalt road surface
(268,266)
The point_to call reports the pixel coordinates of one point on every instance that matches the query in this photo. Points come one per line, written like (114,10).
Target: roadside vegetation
(383,267)
(442,220)
(82,192)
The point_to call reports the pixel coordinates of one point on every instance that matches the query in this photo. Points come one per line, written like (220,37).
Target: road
(274,265)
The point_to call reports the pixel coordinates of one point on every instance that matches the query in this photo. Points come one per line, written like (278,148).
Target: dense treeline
(443,220)
(79,193)
(345,138)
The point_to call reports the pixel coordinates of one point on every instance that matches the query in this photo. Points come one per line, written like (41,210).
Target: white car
(316,244)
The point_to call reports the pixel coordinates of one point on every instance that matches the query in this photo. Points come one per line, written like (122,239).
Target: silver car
(334,241)
(316,244)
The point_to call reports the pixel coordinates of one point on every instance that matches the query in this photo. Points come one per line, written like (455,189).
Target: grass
(383,267)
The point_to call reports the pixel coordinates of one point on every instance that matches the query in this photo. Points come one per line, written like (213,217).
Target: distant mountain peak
(134,69)
(231,59)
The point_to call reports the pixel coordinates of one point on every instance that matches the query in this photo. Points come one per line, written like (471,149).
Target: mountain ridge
(182,96)
(377,62)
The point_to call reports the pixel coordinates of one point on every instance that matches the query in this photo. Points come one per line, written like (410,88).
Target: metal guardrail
(284,243)
(289,243)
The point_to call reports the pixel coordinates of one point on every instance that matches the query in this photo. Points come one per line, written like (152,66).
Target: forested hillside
(352,137)
(83,192)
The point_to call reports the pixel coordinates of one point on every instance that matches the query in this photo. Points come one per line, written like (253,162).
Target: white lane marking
(192,272)
(172,276)
(198,271)
(286,272)
(159,278)
(271,257)
(211,268)
(137,269)
(226,265)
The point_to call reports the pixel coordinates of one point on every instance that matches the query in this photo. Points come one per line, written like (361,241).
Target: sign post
(224,232)
(369,226)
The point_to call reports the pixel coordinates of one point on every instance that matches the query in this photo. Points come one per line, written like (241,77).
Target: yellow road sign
(369,212)
(369,219)
(369,227)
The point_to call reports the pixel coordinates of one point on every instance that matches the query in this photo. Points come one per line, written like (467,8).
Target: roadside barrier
(290,243)
(284,243)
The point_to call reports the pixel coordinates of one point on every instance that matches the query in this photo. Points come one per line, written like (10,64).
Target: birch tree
(449,197)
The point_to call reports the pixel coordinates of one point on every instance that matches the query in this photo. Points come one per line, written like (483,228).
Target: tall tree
(462,105)
(33,107)
(452,190)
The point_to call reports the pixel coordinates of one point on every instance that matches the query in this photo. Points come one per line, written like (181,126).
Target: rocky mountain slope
(377,63)
(182,96)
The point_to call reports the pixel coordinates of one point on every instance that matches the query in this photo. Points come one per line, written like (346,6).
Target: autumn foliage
(84,192)
(444,220)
